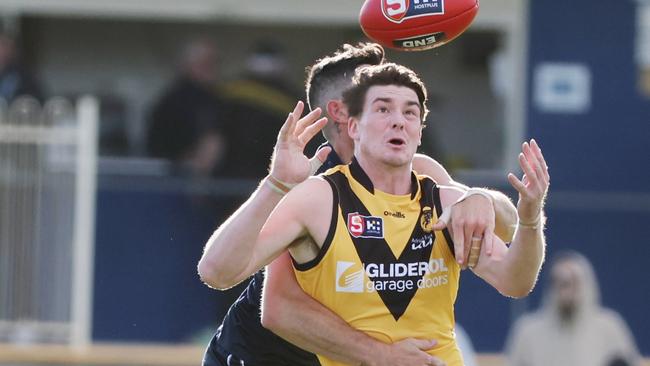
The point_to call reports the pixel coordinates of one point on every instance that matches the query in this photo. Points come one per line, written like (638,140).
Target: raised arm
(478,211)
(513,270)
(237,249)
(295,316)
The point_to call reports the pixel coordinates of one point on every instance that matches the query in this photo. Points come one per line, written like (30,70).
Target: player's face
(389,128)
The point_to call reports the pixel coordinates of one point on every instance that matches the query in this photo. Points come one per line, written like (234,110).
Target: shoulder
(305,205)
(426,165)
(313,190)
(313,183)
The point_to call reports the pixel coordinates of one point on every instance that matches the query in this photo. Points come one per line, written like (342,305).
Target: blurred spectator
(15,80)
(187,122)
(260,99)
(572,328)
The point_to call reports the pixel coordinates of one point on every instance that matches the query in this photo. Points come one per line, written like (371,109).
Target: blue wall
(600,195)
(599,201)
(150,237)
(605,148)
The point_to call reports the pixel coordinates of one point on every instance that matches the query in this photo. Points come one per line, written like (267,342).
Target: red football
(416,25)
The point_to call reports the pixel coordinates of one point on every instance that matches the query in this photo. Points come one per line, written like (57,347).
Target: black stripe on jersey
(330,233)
(360,176)
(445,232)
(377,251)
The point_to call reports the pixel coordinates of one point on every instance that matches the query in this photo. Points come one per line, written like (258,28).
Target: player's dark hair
(384,74)
(336,70)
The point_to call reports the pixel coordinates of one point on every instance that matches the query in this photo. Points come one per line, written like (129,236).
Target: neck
(387,178)
(344,149)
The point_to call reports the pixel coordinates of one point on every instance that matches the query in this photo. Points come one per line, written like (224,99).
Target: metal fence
(48,157)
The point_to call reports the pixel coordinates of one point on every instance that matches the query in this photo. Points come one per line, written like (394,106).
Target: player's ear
(353,128)
(337,111)
(420,137)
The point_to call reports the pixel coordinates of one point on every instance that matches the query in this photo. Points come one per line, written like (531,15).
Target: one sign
(562,88)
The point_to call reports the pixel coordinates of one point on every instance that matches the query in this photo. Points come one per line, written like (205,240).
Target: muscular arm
(513,270)
(239,246)
(253,236)
(505,213)
(295,316)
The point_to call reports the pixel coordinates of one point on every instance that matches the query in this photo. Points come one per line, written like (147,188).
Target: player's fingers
(289,124)
(488,240)
(318,159)
(470,238)
(443,220)
(423,344)
(535,164)
(474,253)
(488,244)
(435,361)
(322,153)
(540,157)
(306,121)
(535,186)
(475,243)
(283,135)
(297,110)
(528,152)
(516,184)
(459,242)
(296,113)
(530,156)
(311,131)
(528,170)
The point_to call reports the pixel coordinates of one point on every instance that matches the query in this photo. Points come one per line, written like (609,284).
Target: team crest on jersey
(397,11)
(426,219)
(361,226)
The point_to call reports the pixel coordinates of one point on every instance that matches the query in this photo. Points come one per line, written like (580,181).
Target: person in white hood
(571,328)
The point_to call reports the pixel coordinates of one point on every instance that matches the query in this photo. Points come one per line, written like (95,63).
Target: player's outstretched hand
(471,224)
(410,352)
(289,163)
(533,186)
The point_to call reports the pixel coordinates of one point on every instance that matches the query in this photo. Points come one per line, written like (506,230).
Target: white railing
(48,157)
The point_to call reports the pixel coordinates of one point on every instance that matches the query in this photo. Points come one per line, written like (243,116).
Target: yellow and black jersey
(382,268)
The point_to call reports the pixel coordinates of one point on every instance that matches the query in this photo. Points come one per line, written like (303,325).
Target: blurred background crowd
(190,98)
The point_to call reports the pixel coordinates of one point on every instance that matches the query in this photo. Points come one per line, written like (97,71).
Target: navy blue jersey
(242,335)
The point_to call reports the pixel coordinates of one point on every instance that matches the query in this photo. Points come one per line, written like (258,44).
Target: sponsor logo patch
(390,277)
(349,278)
(397,11)
(361,226)
(423,242)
